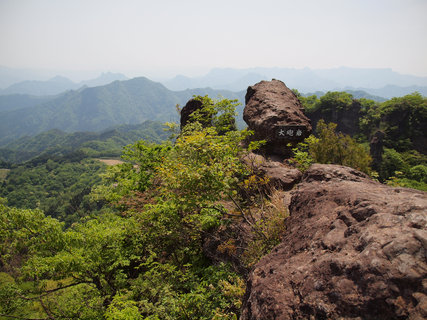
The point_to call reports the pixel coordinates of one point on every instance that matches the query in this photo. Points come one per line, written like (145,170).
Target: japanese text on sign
(290,132)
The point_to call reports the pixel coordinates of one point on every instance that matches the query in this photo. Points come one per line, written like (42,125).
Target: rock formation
(353,249)
(276,115)
(191,106)
(279,175)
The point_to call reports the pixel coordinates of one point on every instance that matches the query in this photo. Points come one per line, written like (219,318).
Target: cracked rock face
(353,249)
(271,110)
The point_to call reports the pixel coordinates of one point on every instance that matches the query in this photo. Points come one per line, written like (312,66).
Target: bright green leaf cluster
(332,148)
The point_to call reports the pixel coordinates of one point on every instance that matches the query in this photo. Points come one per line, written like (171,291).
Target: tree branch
(49,314)
(48,292)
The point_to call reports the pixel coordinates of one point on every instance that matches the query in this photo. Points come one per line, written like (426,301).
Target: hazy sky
(165,37)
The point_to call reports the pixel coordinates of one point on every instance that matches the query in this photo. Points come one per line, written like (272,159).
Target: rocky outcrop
(191,106)
(279,175)
(376,146)
(353,249)
(276,115)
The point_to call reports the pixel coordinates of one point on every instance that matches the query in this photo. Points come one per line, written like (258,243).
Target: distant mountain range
(383,83)
(357,94)
(391,91)
(380,82)
(58,85)
(93,109)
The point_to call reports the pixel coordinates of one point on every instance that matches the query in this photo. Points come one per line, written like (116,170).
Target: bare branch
(48,292)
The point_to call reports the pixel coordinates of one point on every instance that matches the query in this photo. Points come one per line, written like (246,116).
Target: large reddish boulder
(276,115)
(353,249)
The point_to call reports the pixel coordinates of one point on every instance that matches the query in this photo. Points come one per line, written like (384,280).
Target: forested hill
(21,101)
(94,109)
(109,142)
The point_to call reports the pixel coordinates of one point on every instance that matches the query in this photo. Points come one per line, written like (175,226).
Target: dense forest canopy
(107,143)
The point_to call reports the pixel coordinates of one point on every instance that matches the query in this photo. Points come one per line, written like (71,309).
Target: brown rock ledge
(354,249)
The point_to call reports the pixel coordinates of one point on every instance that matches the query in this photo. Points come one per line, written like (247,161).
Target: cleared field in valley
(111,162)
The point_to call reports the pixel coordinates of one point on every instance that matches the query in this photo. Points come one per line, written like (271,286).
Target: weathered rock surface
(270,105)
(354,249)
(279,175)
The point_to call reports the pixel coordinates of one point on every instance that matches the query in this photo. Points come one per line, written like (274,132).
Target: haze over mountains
(385,83)
(58,84)
(380,82)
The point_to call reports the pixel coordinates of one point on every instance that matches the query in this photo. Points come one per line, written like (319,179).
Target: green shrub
(418,173)
(392,162)
(332,148)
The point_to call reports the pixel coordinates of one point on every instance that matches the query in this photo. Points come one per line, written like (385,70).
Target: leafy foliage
(334,148)
(310,103)
(335,100)
(398,169)
(392,161)
(142,161)
(59,187)
(418,173)
(404,121)
(369,118)
(204,161)
(267,228)
(218,113)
